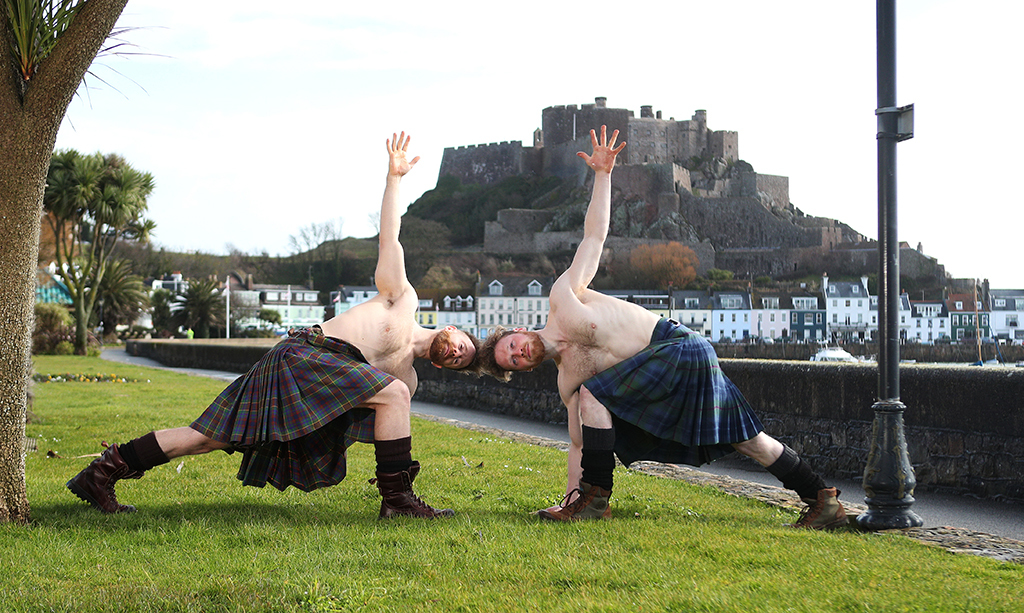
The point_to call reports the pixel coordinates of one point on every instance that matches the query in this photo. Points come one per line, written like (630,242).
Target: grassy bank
(202,542)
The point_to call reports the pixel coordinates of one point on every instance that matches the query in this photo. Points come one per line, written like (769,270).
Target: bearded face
(521,350)
(451,348)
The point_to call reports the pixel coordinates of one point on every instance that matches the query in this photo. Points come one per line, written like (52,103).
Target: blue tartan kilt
(672,403)
(296,412)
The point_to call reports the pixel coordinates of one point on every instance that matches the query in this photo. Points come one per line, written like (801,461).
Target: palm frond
(36,26)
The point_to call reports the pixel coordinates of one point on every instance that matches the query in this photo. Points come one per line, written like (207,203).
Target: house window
(495,288)
(534,288)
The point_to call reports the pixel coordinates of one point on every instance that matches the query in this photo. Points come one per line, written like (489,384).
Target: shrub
(63,348)
(54,326)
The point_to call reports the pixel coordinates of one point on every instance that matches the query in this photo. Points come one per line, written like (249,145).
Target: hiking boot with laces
(823,513)
(95,484)
(399,499)
(591,502)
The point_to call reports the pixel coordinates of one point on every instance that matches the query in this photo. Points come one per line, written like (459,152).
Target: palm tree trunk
(20,210)
(30,115)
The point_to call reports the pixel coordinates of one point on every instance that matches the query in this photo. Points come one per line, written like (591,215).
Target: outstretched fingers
(397,147)
(603,157)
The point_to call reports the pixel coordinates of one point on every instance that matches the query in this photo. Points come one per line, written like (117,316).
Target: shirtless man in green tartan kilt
(295,413)
(637,385)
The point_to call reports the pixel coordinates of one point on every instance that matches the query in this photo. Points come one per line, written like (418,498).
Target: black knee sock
(796,474)
(143,453)
(393,456)
(598,461)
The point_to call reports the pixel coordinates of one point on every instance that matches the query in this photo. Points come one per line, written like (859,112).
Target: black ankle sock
(796,475)
(598,461)
(143,453)
(393,455)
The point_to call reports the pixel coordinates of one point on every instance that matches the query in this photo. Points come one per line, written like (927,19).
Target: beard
(536,347)
(438,346)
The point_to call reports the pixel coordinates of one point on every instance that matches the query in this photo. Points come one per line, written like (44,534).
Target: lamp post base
(888,476)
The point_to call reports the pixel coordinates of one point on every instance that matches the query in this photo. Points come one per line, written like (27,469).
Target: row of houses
(840,311)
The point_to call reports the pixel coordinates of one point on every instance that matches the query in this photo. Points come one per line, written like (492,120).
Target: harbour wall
(964,425)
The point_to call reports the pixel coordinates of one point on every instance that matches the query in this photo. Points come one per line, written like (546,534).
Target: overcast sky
(257,120)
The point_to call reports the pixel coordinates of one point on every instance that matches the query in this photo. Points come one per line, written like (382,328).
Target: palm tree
(93,201)
(122,294)
(163,317)
(200,307)
(46,50)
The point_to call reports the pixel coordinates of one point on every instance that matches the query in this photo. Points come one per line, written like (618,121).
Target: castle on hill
(679,181)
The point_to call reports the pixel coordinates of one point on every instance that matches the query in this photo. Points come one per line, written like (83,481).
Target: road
(996,517)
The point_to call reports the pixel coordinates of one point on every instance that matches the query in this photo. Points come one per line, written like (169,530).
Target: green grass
(202,542)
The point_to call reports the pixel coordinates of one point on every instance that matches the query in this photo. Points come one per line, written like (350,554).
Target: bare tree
(46,49)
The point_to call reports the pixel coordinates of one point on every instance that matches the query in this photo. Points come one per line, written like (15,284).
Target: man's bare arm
(595,228)
(390,276)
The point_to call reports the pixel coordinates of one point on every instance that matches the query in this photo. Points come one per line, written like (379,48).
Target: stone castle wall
(484,164)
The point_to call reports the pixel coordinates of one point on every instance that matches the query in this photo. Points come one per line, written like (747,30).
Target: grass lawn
(202,542)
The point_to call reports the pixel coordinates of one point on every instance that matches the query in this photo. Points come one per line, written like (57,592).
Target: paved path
(958,523)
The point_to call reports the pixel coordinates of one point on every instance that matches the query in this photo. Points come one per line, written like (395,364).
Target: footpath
(1002,519)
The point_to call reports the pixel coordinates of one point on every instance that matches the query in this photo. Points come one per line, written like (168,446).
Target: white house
(1006,311)
(929,321)
(298,305)
(730,317)
(692,308)
(847,309)
(513,301)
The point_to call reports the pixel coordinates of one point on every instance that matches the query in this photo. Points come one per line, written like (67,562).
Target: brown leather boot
(823,513)
(95,484)
(399,499)
(590,503)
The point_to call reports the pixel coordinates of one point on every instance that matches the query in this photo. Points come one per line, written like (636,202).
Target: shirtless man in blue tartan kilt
(639,386)
(295,413)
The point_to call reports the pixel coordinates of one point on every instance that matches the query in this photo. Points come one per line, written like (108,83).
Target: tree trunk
(30,115)
(81,333)
(20,211)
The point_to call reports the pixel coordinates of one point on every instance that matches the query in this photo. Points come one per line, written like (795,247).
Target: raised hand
(397,147)
(603,157)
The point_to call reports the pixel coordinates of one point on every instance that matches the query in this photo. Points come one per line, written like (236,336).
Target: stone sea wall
(964,425)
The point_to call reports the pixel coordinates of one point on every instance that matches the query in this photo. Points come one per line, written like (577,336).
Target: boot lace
(577,504)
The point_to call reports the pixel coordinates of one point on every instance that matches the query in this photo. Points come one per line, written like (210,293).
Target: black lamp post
(888,476)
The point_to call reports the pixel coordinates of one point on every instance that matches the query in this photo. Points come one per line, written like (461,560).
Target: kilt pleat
(672,403)
(295,413)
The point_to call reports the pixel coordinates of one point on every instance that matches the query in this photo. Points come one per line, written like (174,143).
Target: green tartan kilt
(296,411)
(672,403)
